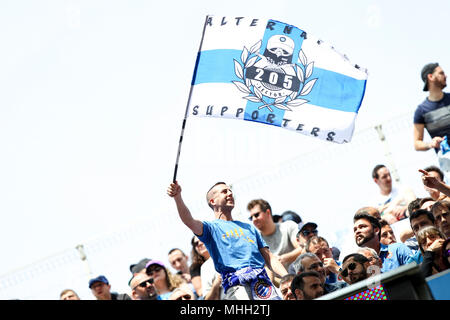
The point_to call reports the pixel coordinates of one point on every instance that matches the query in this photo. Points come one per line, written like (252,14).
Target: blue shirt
(394,255)
(417,258)
(233,245)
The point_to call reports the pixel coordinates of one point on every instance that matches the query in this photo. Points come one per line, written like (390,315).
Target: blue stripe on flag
(332,90)
(217,66)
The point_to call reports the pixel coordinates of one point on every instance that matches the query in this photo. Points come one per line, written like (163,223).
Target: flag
(274,73)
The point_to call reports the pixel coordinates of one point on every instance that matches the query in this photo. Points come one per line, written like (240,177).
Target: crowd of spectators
(283,257)
(312,266)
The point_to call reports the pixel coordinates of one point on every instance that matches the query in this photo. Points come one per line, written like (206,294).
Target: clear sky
(92,97)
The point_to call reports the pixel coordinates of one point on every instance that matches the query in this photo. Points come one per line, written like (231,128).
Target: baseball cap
(98,279)
(291,215)
(426,70)
(137,267)
(302,225)
(152,262)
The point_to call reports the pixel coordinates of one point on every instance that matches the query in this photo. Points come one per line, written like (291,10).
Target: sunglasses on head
(256,215)
(144,284)
(351,266)
(307,232)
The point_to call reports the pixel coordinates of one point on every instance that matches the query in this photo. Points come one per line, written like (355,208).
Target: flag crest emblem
(277,74)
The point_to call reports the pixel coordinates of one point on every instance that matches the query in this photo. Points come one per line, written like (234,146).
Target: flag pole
(187,105)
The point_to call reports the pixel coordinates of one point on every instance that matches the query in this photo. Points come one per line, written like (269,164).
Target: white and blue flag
(274,73)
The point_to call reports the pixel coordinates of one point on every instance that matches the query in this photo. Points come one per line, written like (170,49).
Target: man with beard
(354,268)
(142,287)
(307,286)
(433,113)
(367,233)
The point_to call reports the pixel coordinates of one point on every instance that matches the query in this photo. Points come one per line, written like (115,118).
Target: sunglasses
(185,297)
(256,215)
(144,284)
(351,266)
(307,232)
(150,271)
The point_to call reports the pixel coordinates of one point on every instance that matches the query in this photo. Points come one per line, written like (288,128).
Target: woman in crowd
(199,255)
(165,281)
(431,240)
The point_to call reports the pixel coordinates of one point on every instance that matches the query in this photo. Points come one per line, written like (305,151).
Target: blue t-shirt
(394,255)
(417,257)
(435,115)
(233,245)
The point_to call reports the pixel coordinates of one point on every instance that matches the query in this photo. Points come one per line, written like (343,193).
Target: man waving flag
(274,73)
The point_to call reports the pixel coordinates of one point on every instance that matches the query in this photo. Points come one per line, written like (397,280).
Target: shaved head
(211,193)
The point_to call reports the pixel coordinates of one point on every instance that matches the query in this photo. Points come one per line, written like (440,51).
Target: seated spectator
(310,262)
(285,287)
(407,235)
(441,214)
(372,256)
(164,281)
(435,194)
(307,286)
(142,287)
(354,268)
(430,241)
(101,289)
(182,294)
(68,294)
(387,234)
(306,231)
(392,201)
(320,247)
(367,233)
(419,219)
(179,261)
(432,182)
(199,254)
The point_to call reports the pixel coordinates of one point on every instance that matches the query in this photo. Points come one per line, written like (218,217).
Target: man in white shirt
(392,202)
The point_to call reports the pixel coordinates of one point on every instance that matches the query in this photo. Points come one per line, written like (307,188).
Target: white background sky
(93,93)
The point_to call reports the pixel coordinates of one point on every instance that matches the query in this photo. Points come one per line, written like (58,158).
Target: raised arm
(196,226)
(432,182)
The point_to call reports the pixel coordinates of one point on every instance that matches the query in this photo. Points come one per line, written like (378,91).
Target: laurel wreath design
(285,102)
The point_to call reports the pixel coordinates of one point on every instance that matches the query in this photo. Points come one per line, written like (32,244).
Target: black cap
(137,267)
(426,70)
